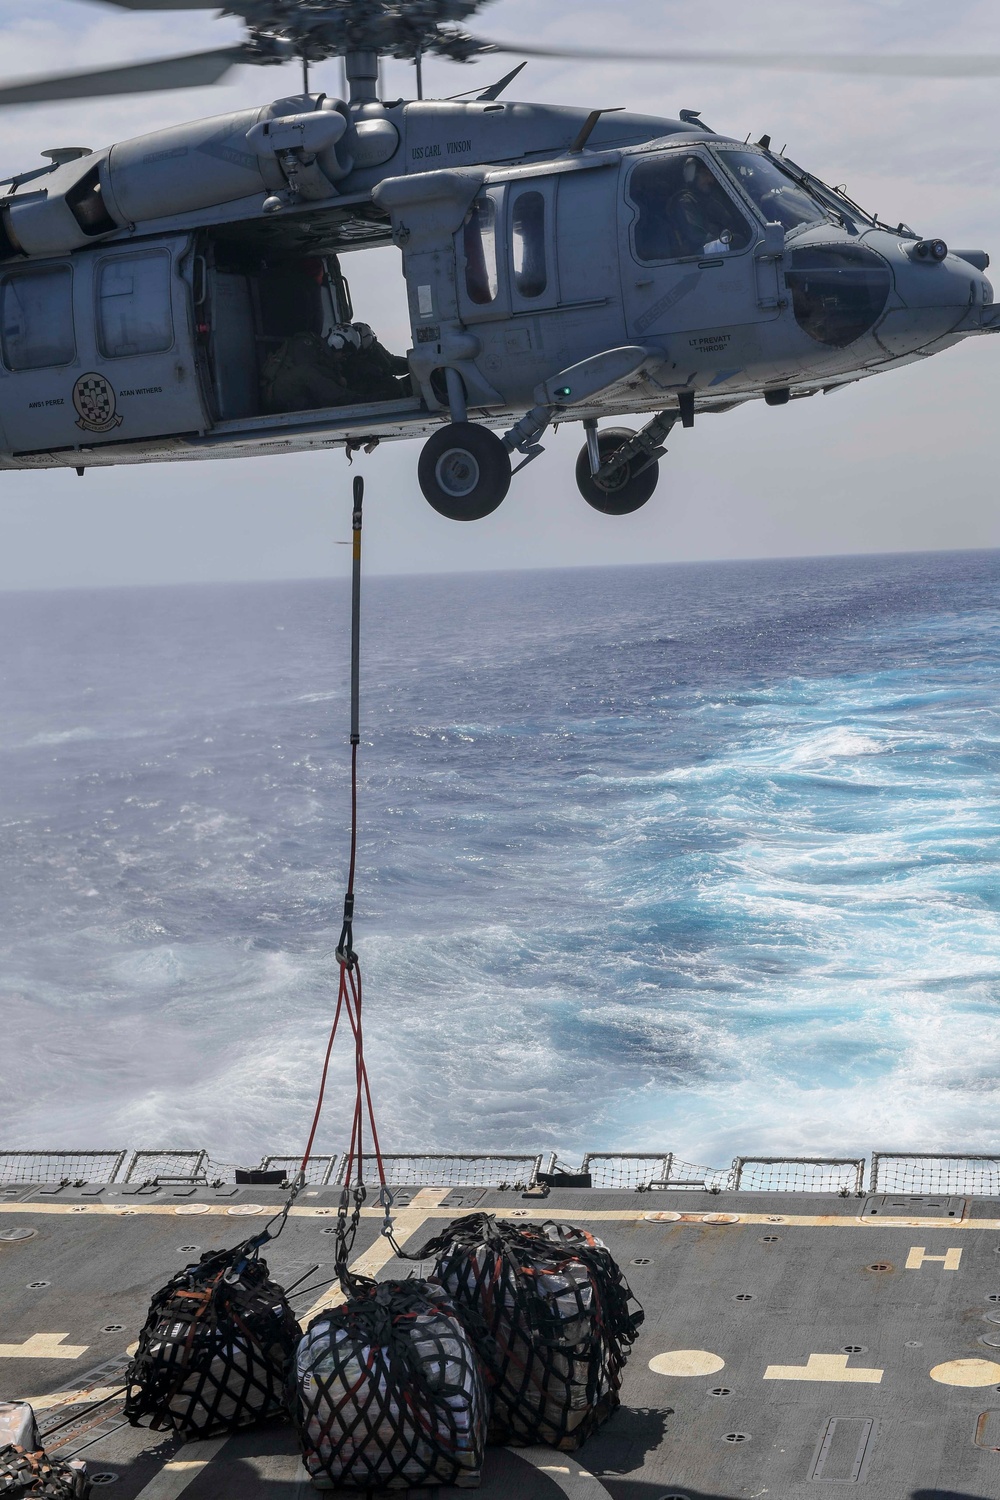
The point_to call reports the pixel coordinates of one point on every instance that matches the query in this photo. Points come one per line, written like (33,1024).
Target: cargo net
(183,1166)
(319,1169)
(23,1473)
(461,1171)
(552,1317)
(797,1174)
(641,1171)
(60,1166)
(216,1349)
(390,1393)
(916,1174)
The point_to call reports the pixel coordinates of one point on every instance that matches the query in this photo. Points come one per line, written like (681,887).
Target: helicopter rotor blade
(164,4)
(913,65)
(194,69)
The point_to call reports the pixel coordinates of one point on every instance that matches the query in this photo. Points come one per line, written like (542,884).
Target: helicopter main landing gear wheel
(624,490)
(464,471)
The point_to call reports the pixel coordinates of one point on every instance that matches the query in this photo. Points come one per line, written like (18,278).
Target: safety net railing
(181,1166)
(640,1170)
(907,1172)
(688,1174)
(60,1166)
(916,1173)
(797,1174)
(319,1170)
(454,1171)
(218,1171)
(627,1169)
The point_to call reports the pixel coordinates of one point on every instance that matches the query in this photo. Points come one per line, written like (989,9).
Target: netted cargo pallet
(320,1169)
(797,1174)
(917,1172)
(640,1170)
(453,1171)
(167,1166)
(60,1166)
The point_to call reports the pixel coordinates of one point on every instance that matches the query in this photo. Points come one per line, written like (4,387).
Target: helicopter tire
(625,491)
(464,471)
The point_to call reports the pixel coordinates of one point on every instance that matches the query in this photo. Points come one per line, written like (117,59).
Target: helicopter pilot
(704,218)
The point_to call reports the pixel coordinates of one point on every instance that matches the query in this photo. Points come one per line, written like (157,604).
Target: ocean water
(701,857)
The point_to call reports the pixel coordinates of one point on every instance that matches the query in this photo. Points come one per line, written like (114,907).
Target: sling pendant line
(349,997)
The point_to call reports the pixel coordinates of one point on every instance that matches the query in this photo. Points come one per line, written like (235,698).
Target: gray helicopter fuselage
(552,263)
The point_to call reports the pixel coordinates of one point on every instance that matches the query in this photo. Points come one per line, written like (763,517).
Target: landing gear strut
(464,471)
(627,487)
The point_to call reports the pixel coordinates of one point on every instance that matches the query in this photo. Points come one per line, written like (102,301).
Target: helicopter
(182,295)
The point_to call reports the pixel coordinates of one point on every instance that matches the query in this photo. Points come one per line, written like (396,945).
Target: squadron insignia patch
(94,399)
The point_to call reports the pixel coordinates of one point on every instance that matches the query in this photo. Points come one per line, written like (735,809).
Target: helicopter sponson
(182,294)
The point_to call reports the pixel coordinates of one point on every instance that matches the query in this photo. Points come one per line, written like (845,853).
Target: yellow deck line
(596,1215)
(406,1223)
(84,1396)
(175,1477)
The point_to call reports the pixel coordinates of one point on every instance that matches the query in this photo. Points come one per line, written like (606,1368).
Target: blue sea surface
(699,857)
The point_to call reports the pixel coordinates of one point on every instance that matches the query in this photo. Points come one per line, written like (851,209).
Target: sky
(903,462)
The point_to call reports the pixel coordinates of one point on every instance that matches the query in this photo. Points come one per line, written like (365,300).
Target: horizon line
(306,578)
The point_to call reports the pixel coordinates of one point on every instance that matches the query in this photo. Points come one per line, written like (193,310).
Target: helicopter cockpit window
(482,278)
(528,230)
(36,319)
(683,210)
(780,199)
(133,304)
(838,291)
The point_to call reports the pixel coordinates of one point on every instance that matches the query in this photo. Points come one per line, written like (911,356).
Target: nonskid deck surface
(800,1341)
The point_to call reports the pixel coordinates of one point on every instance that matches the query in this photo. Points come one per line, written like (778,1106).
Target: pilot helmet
(691,168)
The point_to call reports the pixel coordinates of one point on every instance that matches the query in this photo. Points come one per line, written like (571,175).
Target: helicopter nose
(940,290)
(929,275)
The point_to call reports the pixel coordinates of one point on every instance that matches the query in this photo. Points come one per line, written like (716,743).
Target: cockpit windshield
(836,199)
(780,199)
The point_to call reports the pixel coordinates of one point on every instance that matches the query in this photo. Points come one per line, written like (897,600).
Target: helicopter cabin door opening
(278,335)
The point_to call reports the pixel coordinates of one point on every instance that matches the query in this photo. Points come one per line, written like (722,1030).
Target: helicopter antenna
(495,89)
(587,129)
(418,61)
(305,73)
